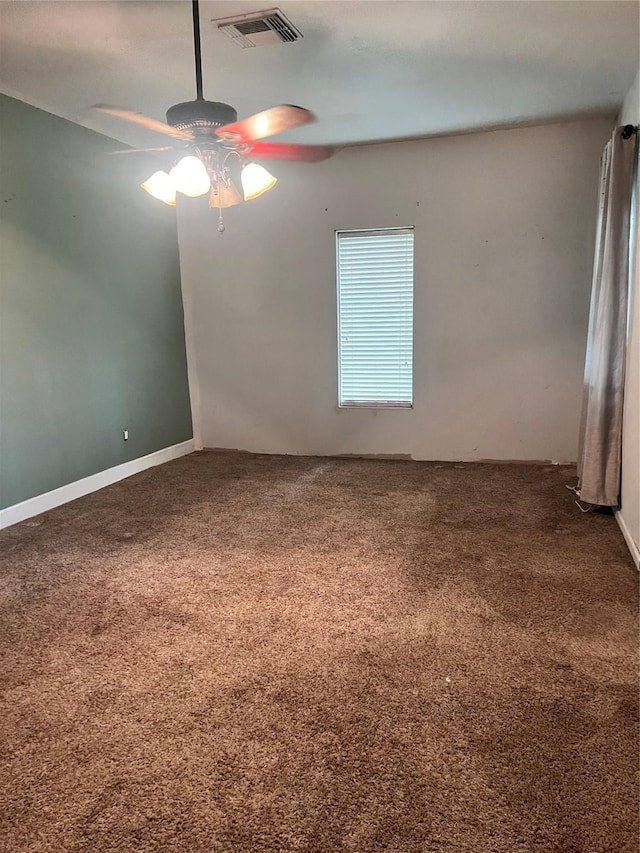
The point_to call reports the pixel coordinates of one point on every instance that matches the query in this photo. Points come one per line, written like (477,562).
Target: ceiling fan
(213,148)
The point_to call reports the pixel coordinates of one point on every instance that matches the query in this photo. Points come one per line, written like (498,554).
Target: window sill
(373,405)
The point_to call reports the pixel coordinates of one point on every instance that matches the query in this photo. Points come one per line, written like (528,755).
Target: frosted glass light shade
(224,195)
(190,177)
(256,180)
(160,186)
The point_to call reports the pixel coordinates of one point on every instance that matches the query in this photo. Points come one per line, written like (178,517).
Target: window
(375,317)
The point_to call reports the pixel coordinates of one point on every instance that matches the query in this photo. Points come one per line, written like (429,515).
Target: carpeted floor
(242,654)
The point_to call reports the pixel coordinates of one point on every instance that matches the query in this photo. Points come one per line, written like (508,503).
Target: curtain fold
(599,453)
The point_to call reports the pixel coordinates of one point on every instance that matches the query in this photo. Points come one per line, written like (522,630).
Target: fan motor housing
(201,116)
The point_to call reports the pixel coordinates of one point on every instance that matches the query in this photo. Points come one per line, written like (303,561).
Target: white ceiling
(370,70)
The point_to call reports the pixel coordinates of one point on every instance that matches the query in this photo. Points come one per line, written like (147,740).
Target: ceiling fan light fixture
(161,186)
(256,180)
(213,144)
(190,177)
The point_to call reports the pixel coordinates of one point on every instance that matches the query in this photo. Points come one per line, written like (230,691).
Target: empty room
(319,426)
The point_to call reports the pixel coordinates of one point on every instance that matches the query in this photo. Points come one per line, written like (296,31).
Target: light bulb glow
(190,176)
(256,180)
(160,186)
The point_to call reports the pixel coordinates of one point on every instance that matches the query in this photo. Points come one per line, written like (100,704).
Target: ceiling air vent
(258,28)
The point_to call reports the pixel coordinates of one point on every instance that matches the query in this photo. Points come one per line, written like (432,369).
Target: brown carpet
(242,654)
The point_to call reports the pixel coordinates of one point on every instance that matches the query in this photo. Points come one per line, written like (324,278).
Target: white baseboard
(635,552)
(41,503)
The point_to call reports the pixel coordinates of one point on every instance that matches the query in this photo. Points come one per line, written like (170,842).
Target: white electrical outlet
(125,435)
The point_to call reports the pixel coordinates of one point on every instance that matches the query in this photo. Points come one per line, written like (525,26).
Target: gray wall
(91,324)
(504,230)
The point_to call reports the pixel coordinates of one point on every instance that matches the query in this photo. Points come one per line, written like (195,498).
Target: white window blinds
(375,317)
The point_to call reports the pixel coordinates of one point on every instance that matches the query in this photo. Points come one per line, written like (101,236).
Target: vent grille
(283,28)
(258,28)
(253,27)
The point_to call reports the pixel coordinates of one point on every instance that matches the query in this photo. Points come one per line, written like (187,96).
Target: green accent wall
(91,322)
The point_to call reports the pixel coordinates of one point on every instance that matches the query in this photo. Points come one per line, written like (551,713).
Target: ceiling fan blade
(267,123)
(282,151)
(142,150)
(144,121)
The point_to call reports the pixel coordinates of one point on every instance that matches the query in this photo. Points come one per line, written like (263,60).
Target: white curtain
(601,427)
